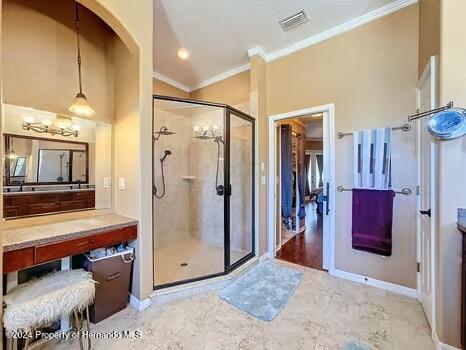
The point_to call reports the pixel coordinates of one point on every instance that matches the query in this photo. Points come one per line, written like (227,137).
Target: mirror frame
(7,138)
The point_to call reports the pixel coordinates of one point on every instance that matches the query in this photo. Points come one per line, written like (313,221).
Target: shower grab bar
(405,191)
(404,127)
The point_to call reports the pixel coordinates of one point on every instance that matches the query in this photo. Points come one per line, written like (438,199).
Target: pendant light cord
(79,48)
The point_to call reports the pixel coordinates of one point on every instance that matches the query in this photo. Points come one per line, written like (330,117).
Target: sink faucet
(79,183)
(21,183)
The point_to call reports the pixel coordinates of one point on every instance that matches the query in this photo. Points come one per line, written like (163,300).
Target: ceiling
(219,33)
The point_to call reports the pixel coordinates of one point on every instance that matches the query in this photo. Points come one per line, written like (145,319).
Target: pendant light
(80,106)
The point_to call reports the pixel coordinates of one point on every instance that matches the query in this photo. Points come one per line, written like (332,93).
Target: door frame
(432,70)
(328,111)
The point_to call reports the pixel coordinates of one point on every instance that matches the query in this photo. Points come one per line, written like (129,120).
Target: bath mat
(264,290)
(356,346)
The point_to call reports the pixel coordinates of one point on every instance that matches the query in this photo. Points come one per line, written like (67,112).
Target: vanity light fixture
(62,125)
(207,132)
(80,106)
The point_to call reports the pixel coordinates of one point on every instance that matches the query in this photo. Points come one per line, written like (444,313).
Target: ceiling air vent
(294,20)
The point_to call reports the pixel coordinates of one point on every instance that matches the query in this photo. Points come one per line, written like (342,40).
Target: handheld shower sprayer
(166,153)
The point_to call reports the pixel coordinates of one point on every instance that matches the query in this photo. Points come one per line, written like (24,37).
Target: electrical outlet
(262,166)
(122,183)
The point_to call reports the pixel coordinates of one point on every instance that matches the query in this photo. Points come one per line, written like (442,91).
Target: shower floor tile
(201,258)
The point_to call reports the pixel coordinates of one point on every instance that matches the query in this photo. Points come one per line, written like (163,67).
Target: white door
(426,201)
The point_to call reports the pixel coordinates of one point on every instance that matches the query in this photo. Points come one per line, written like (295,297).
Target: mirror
(54,163)
(35,160)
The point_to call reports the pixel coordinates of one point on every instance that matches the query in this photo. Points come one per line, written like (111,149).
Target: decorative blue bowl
(448,124)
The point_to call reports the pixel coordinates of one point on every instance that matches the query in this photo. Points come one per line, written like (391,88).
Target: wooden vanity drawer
(23,258)
(57,250)
(73,205)
(42,208)
(18,259)
(89,195)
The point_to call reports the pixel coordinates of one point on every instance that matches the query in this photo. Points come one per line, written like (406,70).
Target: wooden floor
(305,248)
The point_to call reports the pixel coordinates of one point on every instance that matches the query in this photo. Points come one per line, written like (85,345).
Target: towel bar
(405,191)
(404,127)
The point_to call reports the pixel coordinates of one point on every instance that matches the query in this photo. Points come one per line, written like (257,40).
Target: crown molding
(171,82)
(220,77)
(259,51)
(341,28)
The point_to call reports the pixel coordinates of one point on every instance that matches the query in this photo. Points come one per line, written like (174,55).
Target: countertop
(462,219)
(18,193)
(37,234)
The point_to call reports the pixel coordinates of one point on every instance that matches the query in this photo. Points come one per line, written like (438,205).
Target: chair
(42,301)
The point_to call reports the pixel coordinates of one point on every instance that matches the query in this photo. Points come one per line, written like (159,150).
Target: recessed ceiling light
(183,54)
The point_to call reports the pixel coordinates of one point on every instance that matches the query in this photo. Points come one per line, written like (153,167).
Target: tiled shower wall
(191,208)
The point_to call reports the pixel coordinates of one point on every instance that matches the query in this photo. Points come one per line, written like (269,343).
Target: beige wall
(162,88)
(130,21)
(231,91)
(429,31)
(126,129)
(42,71)
(370,74)
(452,170)
(258,107)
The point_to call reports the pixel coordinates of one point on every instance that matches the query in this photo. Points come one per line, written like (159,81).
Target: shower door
(203,190)
(188,208)
(240,204)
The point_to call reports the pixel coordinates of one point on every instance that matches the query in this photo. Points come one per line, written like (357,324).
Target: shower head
(163,131)
(166,153)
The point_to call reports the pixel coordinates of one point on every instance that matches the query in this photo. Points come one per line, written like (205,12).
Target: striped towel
(372,159)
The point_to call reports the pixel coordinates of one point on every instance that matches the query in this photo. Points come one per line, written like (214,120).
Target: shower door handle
(223,190)
(327,199)
(220,189)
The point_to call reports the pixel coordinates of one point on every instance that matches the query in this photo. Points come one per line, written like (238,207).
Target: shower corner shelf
(188,178)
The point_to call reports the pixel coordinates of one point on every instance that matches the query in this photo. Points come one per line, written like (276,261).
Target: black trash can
(112,274)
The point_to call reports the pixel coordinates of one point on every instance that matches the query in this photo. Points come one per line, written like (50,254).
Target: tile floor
(323,313)
(202,259)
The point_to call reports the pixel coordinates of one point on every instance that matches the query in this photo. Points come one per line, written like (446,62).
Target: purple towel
(372,221)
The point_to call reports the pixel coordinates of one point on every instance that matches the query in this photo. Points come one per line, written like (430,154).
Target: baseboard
(391,287)
(441,346)
(139,305)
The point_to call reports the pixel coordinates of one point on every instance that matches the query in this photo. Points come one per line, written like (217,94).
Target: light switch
(263,180)
(262,166)
(106,182)
(122,183)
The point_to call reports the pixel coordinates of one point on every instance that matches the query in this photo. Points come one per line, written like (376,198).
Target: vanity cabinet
(23,258)
(20,204)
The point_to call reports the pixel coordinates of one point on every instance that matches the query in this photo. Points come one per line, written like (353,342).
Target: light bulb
(183,53)
(215,128)
(205,128)
(196,129)
(76,127)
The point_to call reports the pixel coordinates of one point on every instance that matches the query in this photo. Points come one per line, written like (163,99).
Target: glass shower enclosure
(203,189)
